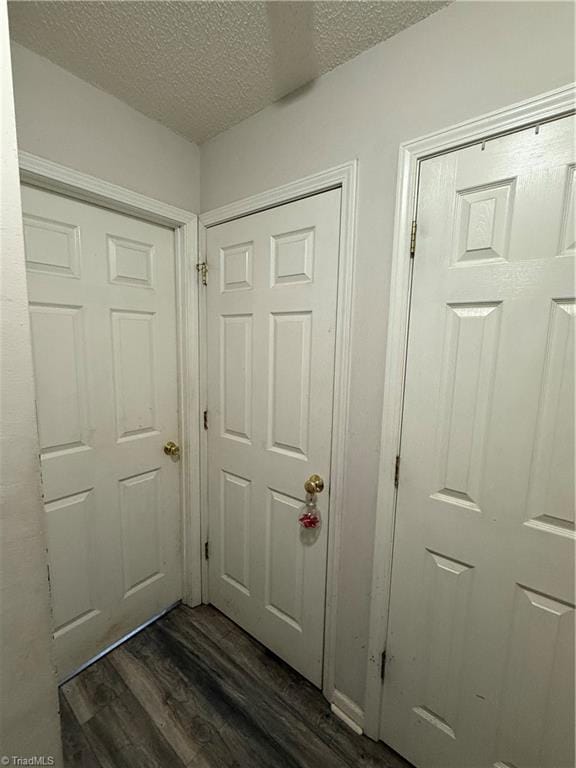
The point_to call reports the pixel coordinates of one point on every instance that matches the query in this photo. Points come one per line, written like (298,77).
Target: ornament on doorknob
(310,517)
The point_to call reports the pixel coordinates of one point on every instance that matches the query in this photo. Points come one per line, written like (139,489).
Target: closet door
(481,643)
(272,280)
(102,292)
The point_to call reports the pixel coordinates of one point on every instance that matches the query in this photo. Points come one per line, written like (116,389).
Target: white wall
(64,119)
(468,59)
(29,722)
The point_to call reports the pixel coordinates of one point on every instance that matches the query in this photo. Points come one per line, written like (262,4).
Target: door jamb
(45,174)
(345,177)
(539,109)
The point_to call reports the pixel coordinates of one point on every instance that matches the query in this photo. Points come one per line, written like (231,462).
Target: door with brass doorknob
(271,306)
(106,377)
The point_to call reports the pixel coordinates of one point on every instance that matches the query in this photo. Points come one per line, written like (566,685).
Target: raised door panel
(130,262)
(284,560)
(289,383)
(568,230)
(482,224)
(469,358)
(552,491)
(236,266)
(235,506)
(52,247)
(292,257)
(448,585)
(135,372)
(70,534)
(140,510)
(58,346)
(236,377)
(537,717)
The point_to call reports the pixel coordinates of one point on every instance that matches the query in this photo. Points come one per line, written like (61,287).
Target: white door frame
(345,177)
(539,109)
(38,172)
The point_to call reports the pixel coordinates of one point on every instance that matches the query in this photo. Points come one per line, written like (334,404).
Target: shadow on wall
(292,29)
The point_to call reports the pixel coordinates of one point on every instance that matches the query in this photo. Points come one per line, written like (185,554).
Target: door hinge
(397,472)
(205,419)
(203,272)
(206,550)
(413,239)
(382,665)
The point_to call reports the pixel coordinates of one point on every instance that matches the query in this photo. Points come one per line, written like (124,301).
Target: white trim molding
(345,177)
(548,106)
(43,173)
(39,172)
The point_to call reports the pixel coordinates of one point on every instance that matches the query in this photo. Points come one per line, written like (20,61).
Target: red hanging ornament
(309,518)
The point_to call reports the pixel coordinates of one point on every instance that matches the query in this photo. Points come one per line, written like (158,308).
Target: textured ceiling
(200,67)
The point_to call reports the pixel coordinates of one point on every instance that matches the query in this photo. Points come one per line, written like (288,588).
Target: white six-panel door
(102,293)
(480,651)
(272,282)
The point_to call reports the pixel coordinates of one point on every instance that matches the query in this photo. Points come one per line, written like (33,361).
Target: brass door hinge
(206,550)
(397,472)
(205,419)
(203,272)
(413,239)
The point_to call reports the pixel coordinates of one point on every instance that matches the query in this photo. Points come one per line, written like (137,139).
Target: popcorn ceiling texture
(201,67)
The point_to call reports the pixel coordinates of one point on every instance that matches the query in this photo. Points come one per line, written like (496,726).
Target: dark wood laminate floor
(193,690)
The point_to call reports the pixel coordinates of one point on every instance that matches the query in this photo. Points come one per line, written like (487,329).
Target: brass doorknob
(171,449)
(314,485)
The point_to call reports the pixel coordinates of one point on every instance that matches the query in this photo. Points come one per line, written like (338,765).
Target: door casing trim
(345,177)
(45,174)
(539,109)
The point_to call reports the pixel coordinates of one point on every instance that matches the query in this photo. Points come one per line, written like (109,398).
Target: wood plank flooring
(194,691)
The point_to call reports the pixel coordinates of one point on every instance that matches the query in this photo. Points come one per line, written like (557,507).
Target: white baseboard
(349,712)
